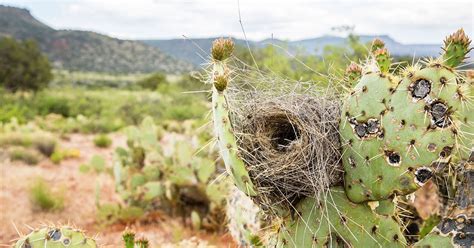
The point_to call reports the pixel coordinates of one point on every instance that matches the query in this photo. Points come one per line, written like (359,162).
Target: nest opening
(281,131)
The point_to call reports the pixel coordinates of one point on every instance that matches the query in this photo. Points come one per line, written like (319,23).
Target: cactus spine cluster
(397,131)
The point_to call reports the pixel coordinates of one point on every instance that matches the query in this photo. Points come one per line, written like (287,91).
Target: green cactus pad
(56,237)
(397,131)
(340,223)
(223,128)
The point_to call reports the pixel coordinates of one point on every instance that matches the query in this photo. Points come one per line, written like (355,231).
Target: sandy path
(80,210)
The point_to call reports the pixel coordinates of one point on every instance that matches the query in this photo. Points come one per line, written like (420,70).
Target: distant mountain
(194,51)
(87,51)
(189,49)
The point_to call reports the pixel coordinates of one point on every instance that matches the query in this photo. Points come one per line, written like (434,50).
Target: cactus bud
(222,49)
(220,82)
(353,73)
(129,239)
(456,47)
(377,44)
(383,59)
(142,243)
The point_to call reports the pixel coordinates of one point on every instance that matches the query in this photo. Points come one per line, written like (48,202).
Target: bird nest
(287,133)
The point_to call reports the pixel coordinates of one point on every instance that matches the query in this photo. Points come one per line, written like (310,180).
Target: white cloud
(407,21)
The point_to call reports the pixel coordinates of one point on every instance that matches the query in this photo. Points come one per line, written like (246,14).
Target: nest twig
(288,137)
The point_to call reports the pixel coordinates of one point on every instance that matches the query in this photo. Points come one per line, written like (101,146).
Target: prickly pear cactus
(56,237)
(396,129)
(129,240)
(451,232)
(172,173)
(221,51)
(337,222)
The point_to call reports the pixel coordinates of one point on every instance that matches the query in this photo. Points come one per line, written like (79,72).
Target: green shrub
(43,197)
(23,66)
(53,104)
(29,156)
(152,82)
(57,157)
(102,141)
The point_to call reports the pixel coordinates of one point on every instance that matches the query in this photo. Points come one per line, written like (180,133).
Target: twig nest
(289,142)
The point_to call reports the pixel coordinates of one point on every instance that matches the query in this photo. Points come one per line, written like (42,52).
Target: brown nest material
(288,137)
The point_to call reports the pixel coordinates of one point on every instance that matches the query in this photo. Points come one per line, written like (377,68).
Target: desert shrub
(43,197)
(23,66)
(153,81)
(56,157)
(43,143)
(14,139)
(29,156)
(59,155)
(102,141)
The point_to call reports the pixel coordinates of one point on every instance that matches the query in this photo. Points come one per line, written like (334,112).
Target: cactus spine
(221,51)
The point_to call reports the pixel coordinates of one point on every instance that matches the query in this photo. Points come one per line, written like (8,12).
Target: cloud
(407,21)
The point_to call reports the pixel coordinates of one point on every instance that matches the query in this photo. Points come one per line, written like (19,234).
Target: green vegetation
(177,182)
(44,197)
(59,155)
(153,81)
(42,142)
(102,141)
(100,111)
(302,66)
(97,163)
(28,156)
(22,66)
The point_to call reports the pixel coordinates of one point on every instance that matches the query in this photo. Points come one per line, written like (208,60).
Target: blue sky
(407,21)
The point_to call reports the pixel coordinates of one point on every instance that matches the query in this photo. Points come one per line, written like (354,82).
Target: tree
(23,66)
(153,81)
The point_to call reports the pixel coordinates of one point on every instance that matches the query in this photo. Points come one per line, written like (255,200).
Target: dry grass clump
(288,136)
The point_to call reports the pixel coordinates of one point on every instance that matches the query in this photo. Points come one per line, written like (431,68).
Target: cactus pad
(337,222)
(396,131)
(55,237)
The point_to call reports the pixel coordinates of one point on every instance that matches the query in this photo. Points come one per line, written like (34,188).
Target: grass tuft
(102,141)
(43,197)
